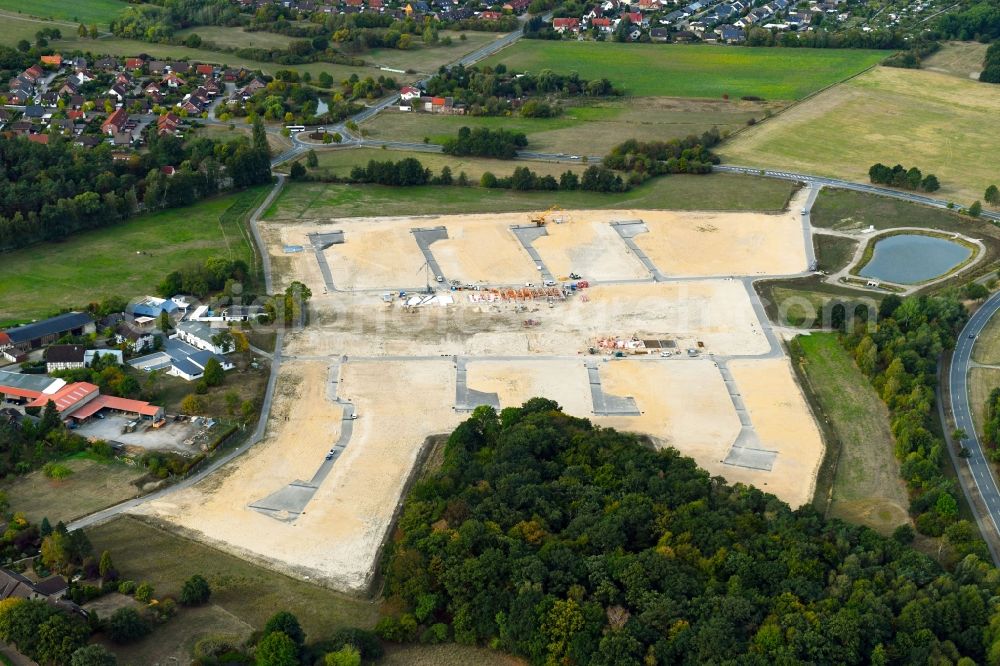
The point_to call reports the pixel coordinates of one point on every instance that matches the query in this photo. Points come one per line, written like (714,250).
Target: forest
(547,537)
(48,192)
(484,142)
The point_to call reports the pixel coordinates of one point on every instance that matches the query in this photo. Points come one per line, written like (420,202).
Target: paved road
(960,408)
(846,185)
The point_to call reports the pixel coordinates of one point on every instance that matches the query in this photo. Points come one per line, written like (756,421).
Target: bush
(56,471)
(126,626)
(126,587)
(365,641)
(144,593)
(195,591)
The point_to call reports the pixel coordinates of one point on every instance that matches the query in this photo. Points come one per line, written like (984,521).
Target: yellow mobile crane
(543,219)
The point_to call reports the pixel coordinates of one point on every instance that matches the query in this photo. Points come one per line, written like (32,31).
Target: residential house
(562,25)
(39,138)
(407,93)
(118,92)
(199,335)
(205,70)
(134,63)
(52,60)
(115,123)
(180,359)
(108,64)
(64,357)
(659,35)
(134,339)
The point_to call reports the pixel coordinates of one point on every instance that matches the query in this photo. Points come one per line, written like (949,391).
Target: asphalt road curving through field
(958,382)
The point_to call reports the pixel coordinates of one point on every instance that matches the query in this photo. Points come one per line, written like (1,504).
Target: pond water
(912,258)
(321,107)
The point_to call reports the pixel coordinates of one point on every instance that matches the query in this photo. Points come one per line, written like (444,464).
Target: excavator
(543,219)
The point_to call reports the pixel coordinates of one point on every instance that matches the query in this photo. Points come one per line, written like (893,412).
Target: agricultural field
(679,70)
(717,191)
(236,37)
(926,119)
(427,59)
(92,486)
(961,59)
(244,593)
(127,260)
(866,487)
(80,11)
(605,123)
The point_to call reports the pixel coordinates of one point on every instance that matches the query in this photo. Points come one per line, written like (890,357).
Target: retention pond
(913,258)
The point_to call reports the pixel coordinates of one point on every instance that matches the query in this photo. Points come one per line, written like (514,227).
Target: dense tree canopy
(484,142)
(566,543)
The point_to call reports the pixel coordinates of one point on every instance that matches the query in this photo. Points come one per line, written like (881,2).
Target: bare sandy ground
(715,312)
(703,243)
(483,250)
(684,404)
(784,424)
(337,539)
(514,382)
(587,244)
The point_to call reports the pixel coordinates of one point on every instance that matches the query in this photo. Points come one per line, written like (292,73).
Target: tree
(81,30)
(297,172)
(193,404)
(144,592)
(94,34)
(248,410)
(346,656)
(93,655)
(214,375)
(24,46)
(287,624)
(975,209)
(126,626)
(195,591)
(276,649)
(992,195)
(312,160)
(165,325)
(106,565)
(56,550)
(260,136)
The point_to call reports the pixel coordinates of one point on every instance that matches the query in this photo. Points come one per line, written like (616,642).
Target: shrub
(144,592)
(56,471)
(126,626)
(195,591)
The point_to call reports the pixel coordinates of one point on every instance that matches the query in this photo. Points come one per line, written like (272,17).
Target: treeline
(822,39)
(899,354)
(484,142)
(48,192)
(564,543)
(492,91)
(595,179)
(991,428)
(405,172)
(900,176)
(30,445)
(656,158)
(991,64)
(912,57)
(979,21)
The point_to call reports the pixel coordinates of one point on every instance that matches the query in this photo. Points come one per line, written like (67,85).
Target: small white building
(199,335)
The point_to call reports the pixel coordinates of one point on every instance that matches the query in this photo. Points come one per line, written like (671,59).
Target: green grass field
(76,11)
(340,163)
(245,593)
(939,123)
(604,123)
(679,70)
(92,486)
(866,486)
(38,280)
(718,191)
(961,59)
(833,252)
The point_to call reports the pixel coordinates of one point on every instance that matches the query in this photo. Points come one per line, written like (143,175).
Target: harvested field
(784,424)
(703,244)
(915,117)
(961,59)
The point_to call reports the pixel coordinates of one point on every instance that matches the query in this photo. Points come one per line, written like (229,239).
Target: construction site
(645,321)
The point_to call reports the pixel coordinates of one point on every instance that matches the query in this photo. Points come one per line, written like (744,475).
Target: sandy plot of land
(784,424)
(302,426)
(715,312)
(376,255)
(514,382)
(400,404)
(483,250)
(684,404)
(289,267)
(685,243)
(589,246)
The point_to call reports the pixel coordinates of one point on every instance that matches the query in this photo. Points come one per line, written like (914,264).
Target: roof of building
(65,354)
(197,329)
(67,397)
(51,326)
(113,402)
(13,584)
(28,386)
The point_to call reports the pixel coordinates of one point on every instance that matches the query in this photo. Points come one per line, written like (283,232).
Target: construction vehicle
(543,219)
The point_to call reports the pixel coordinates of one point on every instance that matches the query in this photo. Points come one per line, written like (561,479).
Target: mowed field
(866,485)
(77,11)
(38,280)
(713,192)
(679,70)
(940,123)
(604,123)
(961,59)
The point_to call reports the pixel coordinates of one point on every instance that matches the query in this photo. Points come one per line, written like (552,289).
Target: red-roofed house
(490,16)
(409,92)
(76,115)
(82,400)
(39,138)
(115,122)
(602,24)
(634,17)
(34,73)
(134,63)
(561,25)
(54,60)
(205,70)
